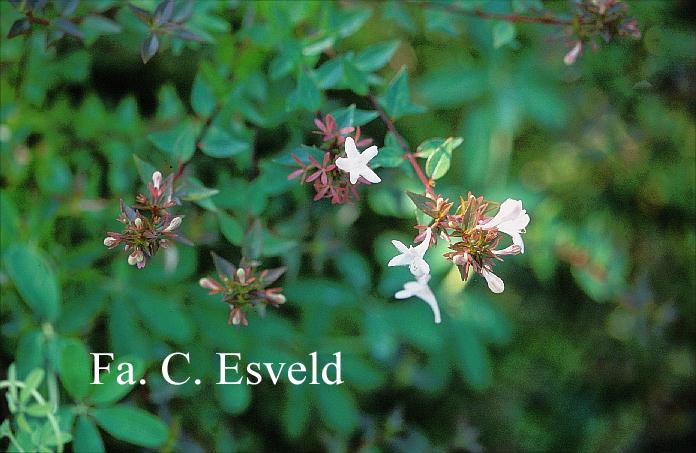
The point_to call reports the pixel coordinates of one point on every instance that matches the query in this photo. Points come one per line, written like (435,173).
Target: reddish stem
(428,184)
(513,18)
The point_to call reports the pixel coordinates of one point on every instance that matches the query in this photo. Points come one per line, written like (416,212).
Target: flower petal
(351,150)
(495,283)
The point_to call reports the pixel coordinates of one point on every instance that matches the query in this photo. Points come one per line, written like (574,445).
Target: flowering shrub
(293,179)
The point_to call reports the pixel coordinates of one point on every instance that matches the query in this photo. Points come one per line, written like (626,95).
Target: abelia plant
(243,287)
(148,225)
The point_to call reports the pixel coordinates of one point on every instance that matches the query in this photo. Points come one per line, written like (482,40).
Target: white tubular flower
(136,257)
(157,179)
(355,164)
(495,283)
(173,225)
(109,241)
(421,290)
(511,219)
(413,256)
(571,56)
(513,249)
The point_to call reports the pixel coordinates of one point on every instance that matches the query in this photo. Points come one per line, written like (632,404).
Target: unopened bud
(157,179)
(461,260)
(132,260)
(173,225)
(241,275)
(276,298)
(109,241)
(138,222)
(208,283)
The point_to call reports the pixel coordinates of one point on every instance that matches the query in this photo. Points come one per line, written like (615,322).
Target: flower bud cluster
(148,225)
(243,286)
(473,236)
(605,19)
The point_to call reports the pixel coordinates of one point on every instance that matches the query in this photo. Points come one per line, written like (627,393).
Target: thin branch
(428,184)
(513,18)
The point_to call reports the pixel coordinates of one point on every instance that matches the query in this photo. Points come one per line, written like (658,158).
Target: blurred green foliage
(590,347)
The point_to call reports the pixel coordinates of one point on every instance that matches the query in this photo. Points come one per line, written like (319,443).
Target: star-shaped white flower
(355,164)
(511,219)
(421,290)
(412,256)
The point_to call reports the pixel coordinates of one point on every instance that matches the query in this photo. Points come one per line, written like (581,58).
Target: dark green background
(590,347)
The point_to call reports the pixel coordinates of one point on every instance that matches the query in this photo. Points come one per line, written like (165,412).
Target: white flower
(355,164)
(495,283)
(513,249)
(511,219)
(412,256)
(571,56)
(156,179)
(109,241)
(421,290)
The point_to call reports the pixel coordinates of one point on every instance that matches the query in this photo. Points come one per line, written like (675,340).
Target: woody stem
(402,143)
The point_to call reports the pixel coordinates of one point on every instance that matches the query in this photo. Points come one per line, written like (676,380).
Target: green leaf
(194,190)
(396,100)
(74,368)
(234,399)
(471,356)
(439,154)
(87,438)
(503,33)
(9,221)
(375,56)
(31,383)
(392,155)
(179,142)
(202,97)
(354,78)
(231,228)
(306,95)
(132,425)
(296,412)
(421,201)
(351,116)
(163,317)
(145,169)
(218,143)
(253,242)
(350,21)
(35,280)
(337,408)
(111,391)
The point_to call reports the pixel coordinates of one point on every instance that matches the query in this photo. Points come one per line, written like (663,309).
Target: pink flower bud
(157,179)
(209,283)
(110,242)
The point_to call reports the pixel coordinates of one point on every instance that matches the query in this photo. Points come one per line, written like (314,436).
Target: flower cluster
(242,287)
(606,19)
(473,236)
(336,177)
(148,225)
